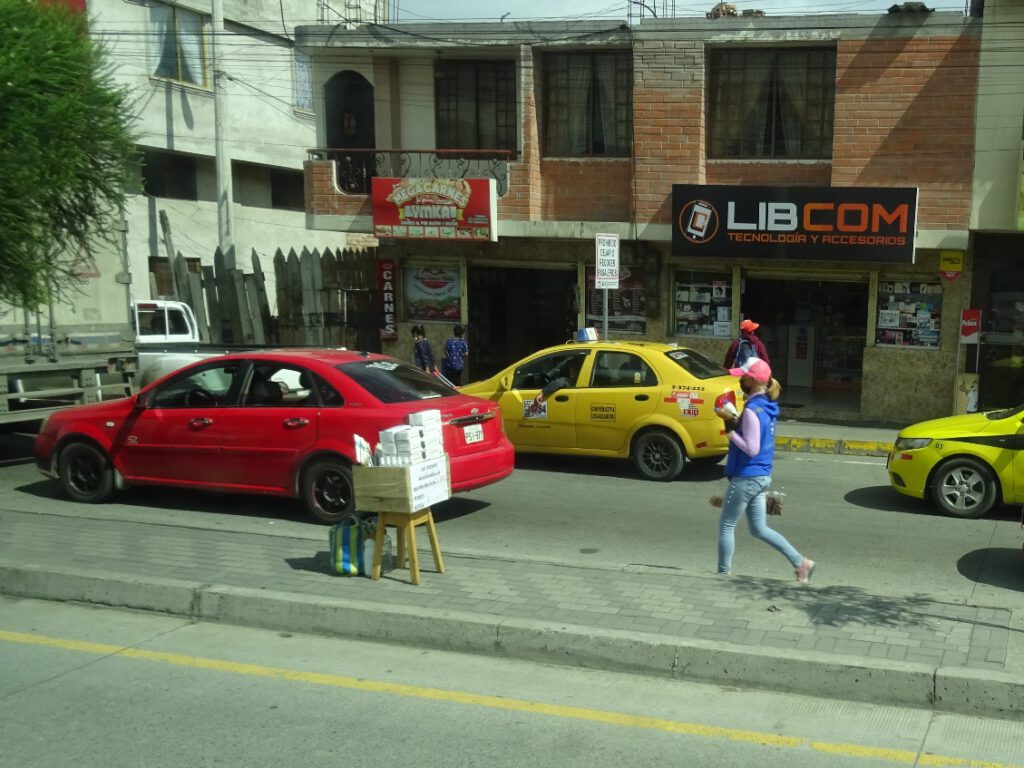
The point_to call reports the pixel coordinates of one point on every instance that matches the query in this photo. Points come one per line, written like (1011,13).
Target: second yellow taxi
(650,402)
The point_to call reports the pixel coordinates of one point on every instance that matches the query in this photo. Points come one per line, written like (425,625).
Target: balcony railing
(356,167)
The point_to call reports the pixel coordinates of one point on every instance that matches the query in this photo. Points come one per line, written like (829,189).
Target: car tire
(658,455)
(964,487)
(85,472)
(327,490)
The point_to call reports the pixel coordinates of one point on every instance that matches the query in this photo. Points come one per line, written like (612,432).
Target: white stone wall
(262,127)
(1000,117)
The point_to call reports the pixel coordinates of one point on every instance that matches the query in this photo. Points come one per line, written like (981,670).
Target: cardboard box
(402,489)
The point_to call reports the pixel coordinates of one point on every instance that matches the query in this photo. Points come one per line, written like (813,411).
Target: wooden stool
(405,524)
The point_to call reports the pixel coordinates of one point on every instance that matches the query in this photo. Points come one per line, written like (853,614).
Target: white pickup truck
(167,338)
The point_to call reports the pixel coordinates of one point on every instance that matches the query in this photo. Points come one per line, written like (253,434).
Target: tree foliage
(66,149)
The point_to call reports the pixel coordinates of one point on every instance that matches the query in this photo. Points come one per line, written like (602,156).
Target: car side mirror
(506,381)
(143,400)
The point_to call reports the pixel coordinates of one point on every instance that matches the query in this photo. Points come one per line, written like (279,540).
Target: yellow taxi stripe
(900,756)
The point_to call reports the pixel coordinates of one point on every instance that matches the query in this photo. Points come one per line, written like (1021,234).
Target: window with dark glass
(287,189)
(588,104)
(765,103)
(476,104)
(168,174)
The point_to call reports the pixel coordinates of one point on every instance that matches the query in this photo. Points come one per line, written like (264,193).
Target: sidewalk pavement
(835,641)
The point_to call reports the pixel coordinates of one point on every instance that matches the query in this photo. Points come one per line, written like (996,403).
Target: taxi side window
(538,373)
(621,369)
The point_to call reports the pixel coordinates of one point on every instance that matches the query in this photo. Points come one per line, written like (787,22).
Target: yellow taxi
(967,464)
(650,402)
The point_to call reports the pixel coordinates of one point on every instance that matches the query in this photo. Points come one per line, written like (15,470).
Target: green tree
(66,149)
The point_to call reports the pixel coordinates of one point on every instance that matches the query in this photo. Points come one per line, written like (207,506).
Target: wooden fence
(326,299)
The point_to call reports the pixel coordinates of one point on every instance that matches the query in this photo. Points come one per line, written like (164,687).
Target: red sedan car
(279,423)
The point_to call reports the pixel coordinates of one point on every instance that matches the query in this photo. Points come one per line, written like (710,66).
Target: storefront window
(909,313)
(703,304)
(433,293)
(626,305)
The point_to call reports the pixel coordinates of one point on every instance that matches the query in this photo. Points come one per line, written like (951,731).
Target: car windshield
(392,381)
(695,363)
(1004,414)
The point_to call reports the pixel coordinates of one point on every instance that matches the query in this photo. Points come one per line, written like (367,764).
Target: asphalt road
(96,687)
(839,511)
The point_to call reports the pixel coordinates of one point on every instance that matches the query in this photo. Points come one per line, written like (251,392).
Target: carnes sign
(819,223)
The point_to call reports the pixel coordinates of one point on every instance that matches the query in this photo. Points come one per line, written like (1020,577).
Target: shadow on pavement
(318,563)
(238,504)
(457,507)
(701,470)
(15,448)
(837,606)
(885,499)
(1001,567)
(172,499)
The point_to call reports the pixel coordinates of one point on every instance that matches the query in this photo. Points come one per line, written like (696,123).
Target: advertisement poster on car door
(626,304)
(433,294)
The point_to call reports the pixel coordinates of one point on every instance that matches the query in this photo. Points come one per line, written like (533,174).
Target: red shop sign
(970,326)
(435,209)
(386,272)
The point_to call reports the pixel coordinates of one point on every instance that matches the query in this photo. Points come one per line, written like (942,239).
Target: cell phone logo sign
(698,221)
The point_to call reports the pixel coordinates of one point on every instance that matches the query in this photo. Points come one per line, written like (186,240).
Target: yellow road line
(900,756)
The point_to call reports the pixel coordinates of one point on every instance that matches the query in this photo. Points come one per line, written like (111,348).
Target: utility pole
(225,191)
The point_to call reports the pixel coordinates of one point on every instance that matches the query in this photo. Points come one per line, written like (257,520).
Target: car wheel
(327,490)
(964,488)
(86,473)
(657,455)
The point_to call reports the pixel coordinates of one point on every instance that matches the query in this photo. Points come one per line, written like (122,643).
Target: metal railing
(357,167)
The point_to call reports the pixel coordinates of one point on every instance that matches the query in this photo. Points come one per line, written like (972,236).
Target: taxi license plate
(474,433)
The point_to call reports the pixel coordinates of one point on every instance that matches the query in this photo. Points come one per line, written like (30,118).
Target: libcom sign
(816,223)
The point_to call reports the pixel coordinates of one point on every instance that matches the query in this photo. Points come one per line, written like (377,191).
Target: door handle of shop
(641,398)
(562,399)
(297,422)
(201,421)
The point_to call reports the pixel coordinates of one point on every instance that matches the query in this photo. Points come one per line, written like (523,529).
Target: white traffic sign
(607,273)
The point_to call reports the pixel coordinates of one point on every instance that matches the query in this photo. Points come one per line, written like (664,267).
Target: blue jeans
(746,494)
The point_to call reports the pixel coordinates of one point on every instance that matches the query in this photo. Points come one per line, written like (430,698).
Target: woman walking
(749,469)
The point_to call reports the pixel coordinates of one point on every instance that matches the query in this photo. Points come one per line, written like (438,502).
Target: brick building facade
(895,107)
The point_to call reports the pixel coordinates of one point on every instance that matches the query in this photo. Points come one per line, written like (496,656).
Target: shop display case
(703,304)
(909,313)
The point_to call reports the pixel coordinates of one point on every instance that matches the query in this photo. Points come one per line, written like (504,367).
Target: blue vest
(738,463)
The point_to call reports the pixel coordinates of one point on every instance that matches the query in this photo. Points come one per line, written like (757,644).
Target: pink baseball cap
(755,368)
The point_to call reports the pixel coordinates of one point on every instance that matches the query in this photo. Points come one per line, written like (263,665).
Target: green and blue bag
(346,540)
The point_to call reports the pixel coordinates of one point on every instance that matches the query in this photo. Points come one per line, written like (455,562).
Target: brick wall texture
(904,116)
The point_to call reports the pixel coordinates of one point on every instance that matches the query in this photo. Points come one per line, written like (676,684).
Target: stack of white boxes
(406,444)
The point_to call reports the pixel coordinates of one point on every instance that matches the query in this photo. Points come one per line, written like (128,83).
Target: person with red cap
(747,328)
(748,467)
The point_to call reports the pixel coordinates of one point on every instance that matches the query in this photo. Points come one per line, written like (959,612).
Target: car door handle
(562,398)
(296,422)
(641,398)
(201,421)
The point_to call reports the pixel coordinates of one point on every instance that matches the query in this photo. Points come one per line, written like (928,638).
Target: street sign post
(606,274)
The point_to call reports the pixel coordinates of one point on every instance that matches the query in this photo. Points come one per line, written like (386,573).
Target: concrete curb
(833,445)
(966,691)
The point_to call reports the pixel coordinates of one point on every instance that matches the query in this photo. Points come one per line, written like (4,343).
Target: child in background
(455,351)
